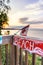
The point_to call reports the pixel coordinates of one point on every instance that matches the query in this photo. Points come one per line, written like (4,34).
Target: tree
(4,8)
(3,20)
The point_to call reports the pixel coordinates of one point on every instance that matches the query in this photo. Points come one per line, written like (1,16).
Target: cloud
(23,19)
(32,15)
(35,6)
(33,11)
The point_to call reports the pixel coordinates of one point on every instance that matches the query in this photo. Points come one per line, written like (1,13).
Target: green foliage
(4,6)
(3,18)
(3,55)
(37,59)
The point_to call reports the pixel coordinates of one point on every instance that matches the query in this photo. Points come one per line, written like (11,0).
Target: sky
(23,11)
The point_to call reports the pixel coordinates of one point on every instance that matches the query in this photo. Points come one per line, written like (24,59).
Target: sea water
(38,33)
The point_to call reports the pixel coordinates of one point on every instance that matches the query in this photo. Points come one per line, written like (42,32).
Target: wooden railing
(14,55)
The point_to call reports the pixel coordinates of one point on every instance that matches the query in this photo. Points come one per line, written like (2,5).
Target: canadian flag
(24,31)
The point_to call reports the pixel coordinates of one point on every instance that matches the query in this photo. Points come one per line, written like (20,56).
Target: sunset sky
(26,11)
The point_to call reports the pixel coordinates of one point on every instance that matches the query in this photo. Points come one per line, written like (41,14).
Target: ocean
(37,33)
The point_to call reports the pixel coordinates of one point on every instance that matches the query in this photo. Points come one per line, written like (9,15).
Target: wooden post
(26,57)
(17,56)
(33,59)
(7,54)
(0,57)
(21,57)
(42,61)
(12,53)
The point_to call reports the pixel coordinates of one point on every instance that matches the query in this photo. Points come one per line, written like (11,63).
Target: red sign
(33,46)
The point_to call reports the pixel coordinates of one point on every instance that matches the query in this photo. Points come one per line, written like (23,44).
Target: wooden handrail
(14,56)
(6,39)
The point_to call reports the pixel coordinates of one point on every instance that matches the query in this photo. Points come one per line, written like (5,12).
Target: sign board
(0,39)
(33,46)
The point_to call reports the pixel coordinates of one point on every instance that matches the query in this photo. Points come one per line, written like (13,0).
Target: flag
(24,31)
